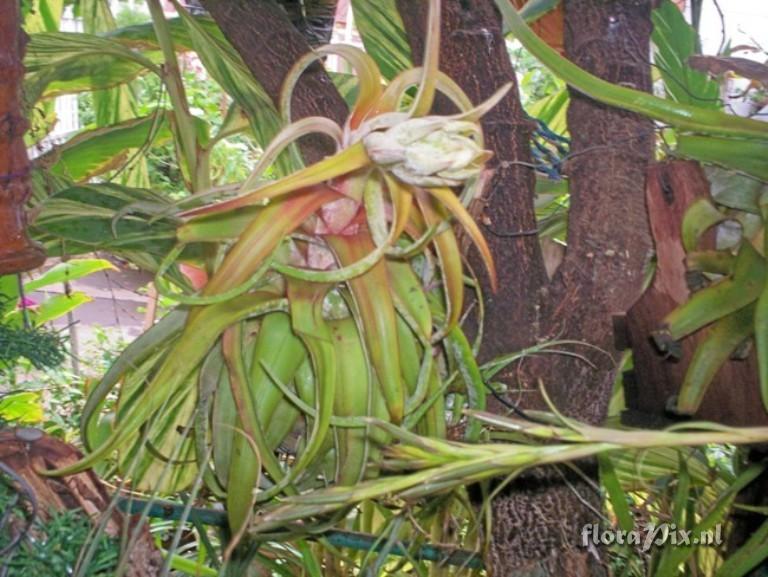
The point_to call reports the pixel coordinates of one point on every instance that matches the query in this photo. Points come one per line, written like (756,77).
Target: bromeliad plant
(334,295)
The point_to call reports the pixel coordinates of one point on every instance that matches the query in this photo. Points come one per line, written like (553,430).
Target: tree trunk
(609,239)
(17,252)
(270,45)
(609,244)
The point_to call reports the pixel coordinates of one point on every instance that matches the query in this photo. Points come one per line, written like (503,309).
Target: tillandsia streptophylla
(334,294)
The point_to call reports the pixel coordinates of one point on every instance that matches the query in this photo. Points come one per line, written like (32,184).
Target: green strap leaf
(69,271)
(94,152)
(67,62)
(675,41)
(383,35)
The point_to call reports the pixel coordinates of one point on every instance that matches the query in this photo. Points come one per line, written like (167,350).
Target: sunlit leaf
(747,156)
(93,152)
(107,217)
(66,62)
(675,41)
(68,271)
(227,68)
(22,408)
(9,293)
(45,16)
(55,307)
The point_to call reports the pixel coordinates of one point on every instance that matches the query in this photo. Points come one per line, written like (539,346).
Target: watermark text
(651,536)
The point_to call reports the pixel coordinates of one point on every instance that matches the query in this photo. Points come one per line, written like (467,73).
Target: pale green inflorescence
(429,151)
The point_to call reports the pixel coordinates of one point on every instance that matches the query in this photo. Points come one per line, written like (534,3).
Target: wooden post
(17,252)
(733,397)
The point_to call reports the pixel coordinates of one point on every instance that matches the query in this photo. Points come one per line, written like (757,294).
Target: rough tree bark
(609,239)
(313,18)
(269,45)
(17,252)
(608,245)
(537,521)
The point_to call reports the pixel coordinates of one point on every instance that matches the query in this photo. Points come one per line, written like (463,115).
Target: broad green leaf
(682,496)
(699,217)
(96,15)
(45,184)
(637,471)
(735,190)
(616,495)
(117,104)
(9,293)
(41,123)
(191,567)
(748,556)
(108,217)
(52,308)
(551,110)
(749,156)
(45,16)
(97,151)
(142,36)
(346,84)
(674,557)
(151,473)
(142,352)
(383,35)
(551,205)
(68,271)
(79,74)
(235,120)
(675,41)
(22,408)
(111,105)
(310,561)
(65,62)
(719,343)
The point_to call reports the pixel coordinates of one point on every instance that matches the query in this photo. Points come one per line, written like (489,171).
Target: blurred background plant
(54,545)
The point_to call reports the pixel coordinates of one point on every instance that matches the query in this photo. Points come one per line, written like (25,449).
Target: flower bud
(429,151)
